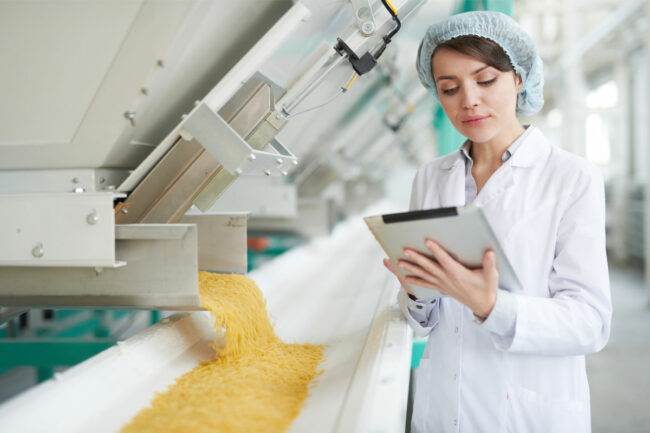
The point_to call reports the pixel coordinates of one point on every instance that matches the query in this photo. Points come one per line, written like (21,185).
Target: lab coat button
(456,329)
(455,422)
(418,306)
(455,376)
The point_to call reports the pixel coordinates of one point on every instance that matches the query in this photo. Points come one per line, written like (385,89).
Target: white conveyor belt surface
(333,290)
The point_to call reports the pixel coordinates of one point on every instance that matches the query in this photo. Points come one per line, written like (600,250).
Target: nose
(470,97)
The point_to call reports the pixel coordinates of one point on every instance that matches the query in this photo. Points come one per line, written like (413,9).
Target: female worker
(497,361)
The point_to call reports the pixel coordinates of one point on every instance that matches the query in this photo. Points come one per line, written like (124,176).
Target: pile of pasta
(257,383)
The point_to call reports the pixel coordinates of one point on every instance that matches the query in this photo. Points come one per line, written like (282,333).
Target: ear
(519,83)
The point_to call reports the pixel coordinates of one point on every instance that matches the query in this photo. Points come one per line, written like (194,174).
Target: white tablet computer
(463,231)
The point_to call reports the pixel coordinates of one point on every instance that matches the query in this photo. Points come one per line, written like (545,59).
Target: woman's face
(479,99)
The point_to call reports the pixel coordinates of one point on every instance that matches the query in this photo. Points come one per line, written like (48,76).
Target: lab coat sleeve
(503,318)
(423,315)
(575,319)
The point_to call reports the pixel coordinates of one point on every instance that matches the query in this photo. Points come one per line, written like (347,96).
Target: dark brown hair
(483,49)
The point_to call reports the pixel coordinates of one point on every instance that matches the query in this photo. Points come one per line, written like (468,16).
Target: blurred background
(596,93)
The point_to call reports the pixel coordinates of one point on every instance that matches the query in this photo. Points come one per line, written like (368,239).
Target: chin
(478,134)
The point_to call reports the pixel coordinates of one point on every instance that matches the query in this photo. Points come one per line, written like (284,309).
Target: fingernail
(429,243)
(407,253)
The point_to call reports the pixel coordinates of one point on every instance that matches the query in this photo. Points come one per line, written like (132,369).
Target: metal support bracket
(160,273)
(363,15)
(160,268)
(58,229)
(231,150)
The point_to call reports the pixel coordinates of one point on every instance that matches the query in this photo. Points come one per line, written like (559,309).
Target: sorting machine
(141,141)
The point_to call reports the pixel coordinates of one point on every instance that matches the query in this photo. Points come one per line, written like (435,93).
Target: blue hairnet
(501,29)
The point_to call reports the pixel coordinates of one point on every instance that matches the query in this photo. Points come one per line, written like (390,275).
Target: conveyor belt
(331,291)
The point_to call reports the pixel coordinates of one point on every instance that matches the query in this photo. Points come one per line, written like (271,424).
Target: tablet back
(463,231)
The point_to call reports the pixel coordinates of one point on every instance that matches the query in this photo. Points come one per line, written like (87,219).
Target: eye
(450,91)
(488,82)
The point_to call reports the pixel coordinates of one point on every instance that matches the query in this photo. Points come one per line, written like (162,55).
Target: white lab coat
(547,208)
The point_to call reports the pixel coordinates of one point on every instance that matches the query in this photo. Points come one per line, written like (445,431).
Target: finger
(389,265)
(489,263)
(417,271)
(420,282)
(441,255)
(423,261)
(489,258)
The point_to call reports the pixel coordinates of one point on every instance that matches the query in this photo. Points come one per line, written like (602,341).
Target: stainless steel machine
(119,118)
(140,141)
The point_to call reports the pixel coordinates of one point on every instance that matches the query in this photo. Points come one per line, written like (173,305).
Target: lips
(474,120)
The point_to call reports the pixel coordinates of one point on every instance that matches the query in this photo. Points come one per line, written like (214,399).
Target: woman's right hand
(395,272)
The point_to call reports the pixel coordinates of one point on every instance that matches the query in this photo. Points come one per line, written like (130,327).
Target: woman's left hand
(476,288)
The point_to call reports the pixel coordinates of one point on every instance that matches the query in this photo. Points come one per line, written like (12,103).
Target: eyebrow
(452,77)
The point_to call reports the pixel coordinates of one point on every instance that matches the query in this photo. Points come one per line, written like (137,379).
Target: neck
(491,152)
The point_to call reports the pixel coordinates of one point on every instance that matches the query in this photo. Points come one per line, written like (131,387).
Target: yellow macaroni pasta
(257,383)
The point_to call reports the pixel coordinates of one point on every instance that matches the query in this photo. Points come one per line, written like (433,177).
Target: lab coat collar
(451,187)
(531,150)
(497,184)
(452,160)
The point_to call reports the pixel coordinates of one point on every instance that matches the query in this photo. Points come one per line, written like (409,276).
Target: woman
(498,361)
